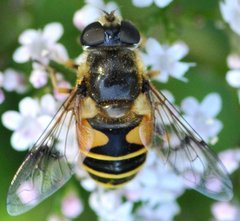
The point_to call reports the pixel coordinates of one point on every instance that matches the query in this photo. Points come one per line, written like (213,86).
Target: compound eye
(128,33)
(92,35)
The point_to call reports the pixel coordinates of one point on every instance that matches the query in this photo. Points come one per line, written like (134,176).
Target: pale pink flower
(201,116)
(41,45)
(230,10)
(224,211)
(13,80)
(38,78)
(92,11)
(71,206)
(30,121)
(109,206)
(166,59)
(231,159)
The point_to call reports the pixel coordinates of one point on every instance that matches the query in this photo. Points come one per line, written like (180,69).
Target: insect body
(113,84)
(114,114)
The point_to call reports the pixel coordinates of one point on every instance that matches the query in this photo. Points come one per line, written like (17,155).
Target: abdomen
(119,160)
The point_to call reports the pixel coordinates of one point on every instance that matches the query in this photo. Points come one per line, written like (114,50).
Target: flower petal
(230,11)
(38,78)
(29,107)
(96,3)
(233,61)
(223,211)
(142,3)
(178,50)
(211,105)
(71,206)
(233,78)
(162,3)
(214,128)
(178,69)
(190,105)
(112,6)
(230,159)
(48,104)
(153,47)
(21,55)
(28,36)
(59,53)
(162,77)
(11,120)
(85,16)
(43,122)
(11,79)
(53,31)
(19,142)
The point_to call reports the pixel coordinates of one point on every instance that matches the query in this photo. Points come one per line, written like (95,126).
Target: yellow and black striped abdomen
(118,161)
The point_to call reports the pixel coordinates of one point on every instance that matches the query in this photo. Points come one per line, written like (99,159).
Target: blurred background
(198,23)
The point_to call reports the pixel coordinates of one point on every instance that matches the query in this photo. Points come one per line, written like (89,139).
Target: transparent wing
(49,164)
(185,151)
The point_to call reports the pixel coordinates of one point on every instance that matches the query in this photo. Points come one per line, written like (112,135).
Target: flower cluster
(41,46)
(28,124)
(154,178)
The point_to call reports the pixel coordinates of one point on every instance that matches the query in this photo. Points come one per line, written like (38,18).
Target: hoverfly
(115,114)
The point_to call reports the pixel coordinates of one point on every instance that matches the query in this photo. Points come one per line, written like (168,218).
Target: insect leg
(152,73)
(61,90)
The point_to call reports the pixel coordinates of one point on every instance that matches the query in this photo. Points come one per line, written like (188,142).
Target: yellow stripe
(111,176)
(111,158)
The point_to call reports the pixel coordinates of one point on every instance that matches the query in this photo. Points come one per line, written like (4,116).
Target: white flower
(109,206)
(230,10)
(30,121)
(165,59)
(163,212)
(92,11)
(71,206)
(231,159)
(41,45)
(233,61)
(224,211)
(201,116)
(13,80)
(38,78)
(233,75)
(233,78)
(86,181)
(146,3)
